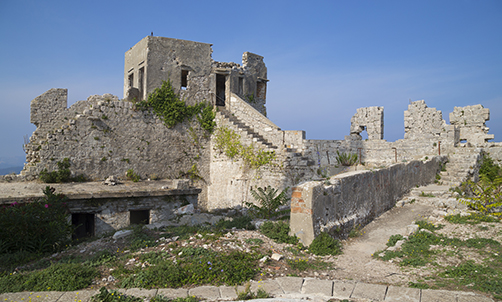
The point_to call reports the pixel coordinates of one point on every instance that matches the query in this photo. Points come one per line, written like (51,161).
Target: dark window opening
(141,75)
(241,86)
(220,89)
(131,80)
(84,225)
(184,79)
(261,90)
(139,217)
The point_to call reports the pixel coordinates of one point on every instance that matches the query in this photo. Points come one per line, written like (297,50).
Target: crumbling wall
(471,122)
(103,136)
(423,123)
(369,119)
(354,198)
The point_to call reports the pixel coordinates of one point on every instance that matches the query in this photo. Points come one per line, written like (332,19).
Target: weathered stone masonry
(105,136)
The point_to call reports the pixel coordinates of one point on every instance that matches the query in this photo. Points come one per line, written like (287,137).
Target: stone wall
(112,214)
(354,198)
(104,136)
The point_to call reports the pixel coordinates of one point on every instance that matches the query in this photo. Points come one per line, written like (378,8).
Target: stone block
(228,293)
(290,285)
(205,292)
(173,292)
(343,289)
(141,292)
(429,295)
(403,294)
(317,287)
(79,295)
(374,292)
(270,286)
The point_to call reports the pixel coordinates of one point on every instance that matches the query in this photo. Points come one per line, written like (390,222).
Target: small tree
(269,202)
(485,196)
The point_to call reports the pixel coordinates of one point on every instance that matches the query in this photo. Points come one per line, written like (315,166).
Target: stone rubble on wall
(471,121)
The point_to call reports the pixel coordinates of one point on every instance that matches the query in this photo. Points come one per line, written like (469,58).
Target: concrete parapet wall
(354,198)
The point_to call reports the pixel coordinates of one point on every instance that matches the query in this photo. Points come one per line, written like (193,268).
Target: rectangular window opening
(84,225)
(184,79)
(139,217)
(241,86)
(220,89)
(141,75)
(131,80)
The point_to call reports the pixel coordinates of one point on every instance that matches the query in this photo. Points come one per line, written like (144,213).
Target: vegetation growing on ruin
(278,231)
(165,103)
(229,143)
(63,174)
(346,159)
(131,175)
(484,196)
(269,202)
(32,229)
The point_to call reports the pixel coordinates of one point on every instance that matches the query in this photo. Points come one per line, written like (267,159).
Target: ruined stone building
(105,136)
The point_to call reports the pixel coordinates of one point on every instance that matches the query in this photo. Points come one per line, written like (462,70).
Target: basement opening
(84,225)
(139,217)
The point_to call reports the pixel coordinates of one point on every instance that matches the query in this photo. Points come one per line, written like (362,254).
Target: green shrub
(470,219)
(324,244)
(269,202)
(37,227)
(278,231)
(131,175)
(61,175)
(489,169)
(484,196)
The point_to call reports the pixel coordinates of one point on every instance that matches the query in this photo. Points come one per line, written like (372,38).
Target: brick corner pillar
(302,222)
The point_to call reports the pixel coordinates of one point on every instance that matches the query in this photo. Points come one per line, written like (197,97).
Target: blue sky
(325,59)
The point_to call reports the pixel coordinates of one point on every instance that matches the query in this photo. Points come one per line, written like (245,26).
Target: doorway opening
(220,89)
(84,225)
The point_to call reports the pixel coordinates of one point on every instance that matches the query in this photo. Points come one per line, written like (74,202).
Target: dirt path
(357,262)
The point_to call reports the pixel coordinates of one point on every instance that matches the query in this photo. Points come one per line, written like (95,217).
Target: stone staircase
(248,130)
(290,157)
(462,164)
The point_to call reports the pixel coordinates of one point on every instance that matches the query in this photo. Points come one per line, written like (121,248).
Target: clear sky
(325,59)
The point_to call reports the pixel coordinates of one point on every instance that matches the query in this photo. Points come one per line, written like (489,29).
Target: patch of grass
(243,222)
(471,219)
(303,264)
(426,194)
(141,238)
(255,241)
(476,276)
(278,231)
(393,239)
(420,285)
(196,267)
(58,277)
(355,232)
(324,244)
(423,224)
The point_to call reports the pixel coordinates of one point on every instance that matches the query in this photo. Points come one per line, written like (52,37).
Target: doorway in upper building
(84,225)
(220,89)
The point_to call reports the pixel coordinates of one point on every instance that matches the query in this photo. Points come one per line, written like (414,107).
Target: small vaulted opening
(84,225)
(139,216)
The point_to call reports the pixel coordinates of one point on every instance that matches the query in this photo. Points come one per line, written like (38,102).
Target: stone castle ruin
(105,135)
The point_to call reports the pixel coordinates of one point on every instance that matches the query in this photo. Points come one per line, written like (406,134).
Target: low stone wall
(354,198)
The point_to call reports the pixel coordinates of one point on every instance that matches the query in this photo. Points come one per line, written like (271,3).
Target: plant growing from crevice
(278,231)
(346,159)
(269,201)
(131,175)
(63,174)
